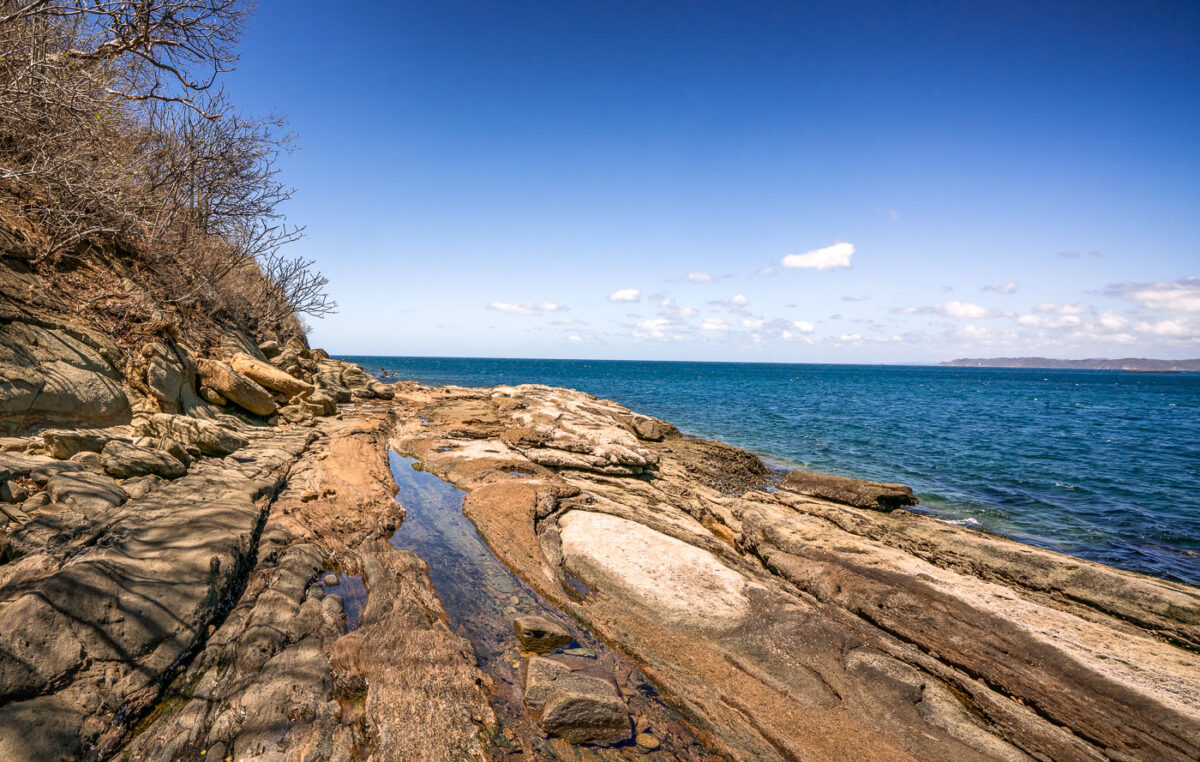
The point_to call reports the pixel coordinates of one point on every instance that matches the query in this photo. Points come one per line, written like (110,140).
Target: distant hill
(1124,363)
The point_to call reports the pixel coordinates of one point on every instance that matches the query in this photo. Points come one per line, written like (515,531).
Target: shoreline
(777,617)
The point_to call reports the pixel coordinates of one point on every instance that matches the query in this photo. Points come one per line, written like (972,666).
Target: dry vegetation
(119,151)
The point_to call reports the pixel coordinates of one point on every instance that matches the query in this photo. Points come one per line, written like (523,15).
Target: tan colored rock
(235,387)
(207,437)
(855,492)
(540,635)
(269,376)
(576,707)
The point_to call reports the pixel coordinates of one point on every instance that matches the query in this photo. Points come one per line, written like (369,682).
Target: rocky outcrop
(855,492)
(826,625)
(269,376)
(235,387)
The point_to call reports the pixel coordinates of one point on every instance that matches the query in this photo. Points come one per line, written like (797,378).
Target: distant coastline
(1124,363)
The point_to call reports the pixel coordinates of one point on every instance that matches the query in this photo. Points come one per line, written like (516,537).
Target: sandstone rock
(539,634)
(13,492)
(647,428)
(206,436)
(32,504)
(576,707)
(63,443)
(212,396)
(269,349)
(164,375)
(91,461)
(235,387)
(87,493)
(17,444)
(141,486)
(856,492)
(327,404)
(269,377)
(123,461)
(296,414)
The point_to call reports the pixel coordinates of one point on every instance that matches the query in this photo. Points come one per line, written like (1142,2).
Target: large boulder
(879,496)
(269,376)
(576,707)
(235,387)
(164,375)
(125,461)
(206,436)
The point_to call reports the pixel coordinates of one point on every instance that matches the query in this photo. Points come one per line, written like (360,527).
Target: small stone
(647,742)
(539,634)
(329,580)
(91,461)
(584,653)
(13,492)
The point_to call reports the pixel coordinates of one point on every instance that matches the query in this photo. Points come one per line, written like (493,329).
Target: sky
(746,181)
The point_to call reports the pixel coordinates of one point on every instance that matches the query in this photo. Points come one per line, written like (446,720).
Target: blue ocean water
(1100,464)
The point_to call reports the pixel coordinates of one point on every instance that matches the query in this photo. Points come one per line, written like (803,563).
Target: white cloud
(1003,288)
(700,277)
(739,300)
(687,312)
(1182,295)
(803,326)
(964,310)
(1172,329)
(1038,321)
(753,324)
(1063,309)
(767,271)
(837,255)
(655,328)
(574,337)
(625,295)
(525,308)
(714,324)
(1112,321)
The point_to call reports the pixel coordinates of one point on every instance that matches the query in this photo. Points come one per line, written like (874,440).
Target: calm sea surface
(1099,464)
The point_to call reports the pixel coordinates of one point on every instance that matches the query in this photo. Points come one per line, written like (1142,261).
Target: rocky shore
(204,558)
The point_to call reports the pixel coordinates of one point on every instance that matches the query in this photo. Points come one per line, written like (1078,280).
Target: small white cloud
(656,328)
(1040,321)
(525,308)
(767,271)
(739,300)
(625,295)
(828,258)
(803,326)
(574,337)
(1003,288)
(753,324)
(700,277)
(714,324)
(964,310)
(1113,321)
(1063,309)
(687,312)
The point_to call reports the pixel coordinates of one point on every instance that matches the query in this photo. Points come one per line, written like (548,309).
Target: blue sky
(816,182)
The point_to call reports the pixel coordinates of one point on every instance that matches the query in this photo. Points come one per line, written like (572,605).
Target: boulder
(647,428)
(91,461)
(296,414)
(269,376)
(124,461)
(212,396)
(207,437)
(141,486)
(235,387)
(87,493)
(329,380)
(879,496)
(324,404)
(13,492)
(269,349)
(63,443)
(576,707)
(539,634)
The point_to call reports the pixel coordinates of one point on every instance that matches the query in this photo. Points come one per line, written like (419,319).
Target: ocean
(1104,465)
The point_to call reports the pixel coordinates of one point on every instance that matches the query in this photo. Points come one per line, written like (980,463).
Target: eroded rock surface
(796,626)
